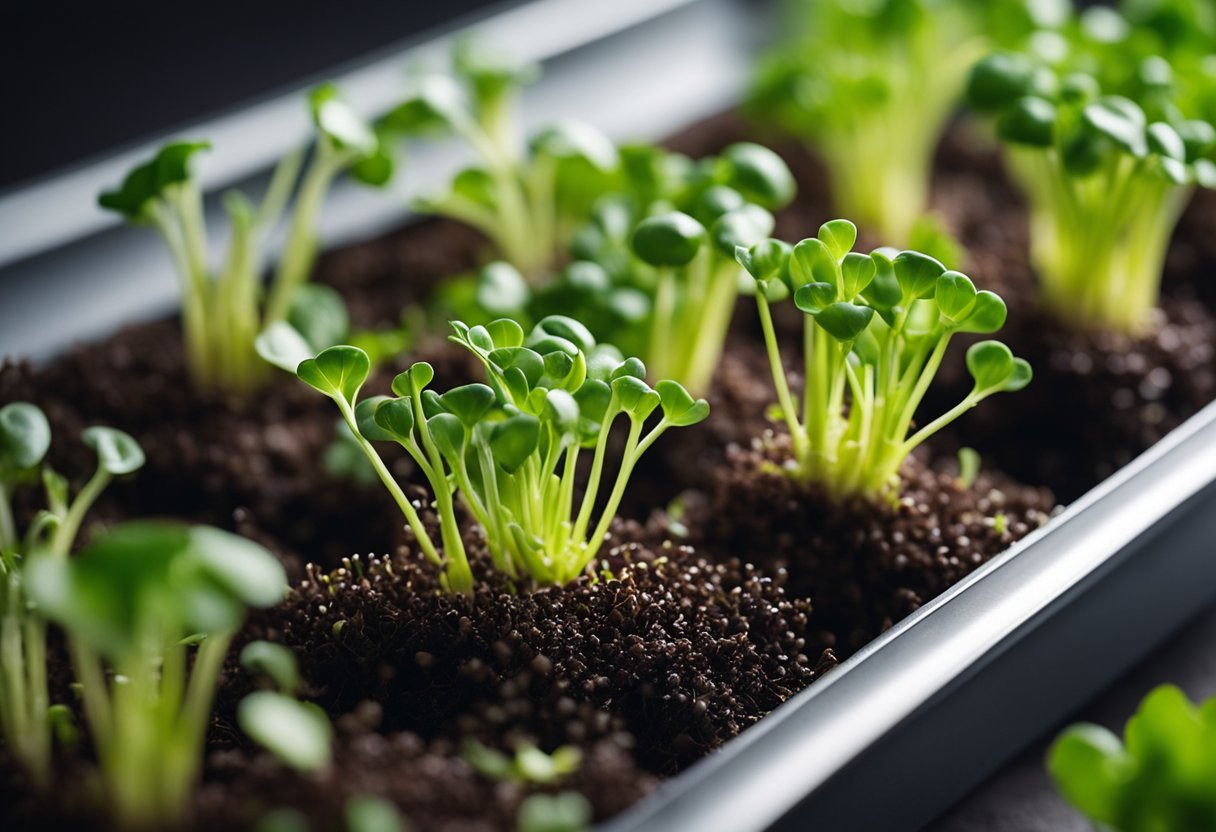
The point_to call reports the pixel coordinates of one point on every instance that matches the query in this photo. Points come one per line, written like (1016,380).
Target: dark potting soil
(654,666)
(866,567)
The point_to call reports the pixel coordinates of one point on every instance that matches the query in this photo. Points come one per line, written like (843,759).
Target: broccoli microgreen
(528,765)
(525,199)
(721,203)
(1108,155)
(509,450)
(1159,777)
(871,85)
(876,332)
(25,437)
(135,604)
(221,309)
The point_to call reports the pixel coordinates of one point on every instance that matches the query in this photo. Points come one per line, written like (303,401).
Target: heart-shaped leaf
(917,274)
(759,174)
(396,418)
(636,397)
(856,272)
(883,293)
(513,440)
(468,403)
(813,298)
(365,420)
(812,262)
(338,372)
(25,437)
(449,434)
(567,329)
(991,364)
(845,321)
(297,733)
(282,346)
(745,226)
(679,408)
(632,367)
(955,296)
(839,236)
(274,661)
(571,139)
(1030,121)
(117,452)
(766,261)
(1121,121)
(522,362)
(987,315)
(505,333)
(561,411)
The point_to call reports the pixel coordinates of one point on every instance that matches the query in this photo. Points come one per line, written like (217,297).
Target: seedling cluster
(508,450)
(222,309)
(1108,145)
(871,85)
(876,332)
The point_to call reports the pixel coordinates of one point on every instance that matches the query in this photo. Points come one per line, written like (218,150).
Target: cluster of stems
(877,329)
(509,450)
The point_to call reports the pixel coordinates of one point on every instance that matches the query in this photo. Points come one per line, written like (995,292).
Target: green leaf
(274,661)
(338,122)
(1029,121)
(117,452)
(367,813)
(338,372)
(505,333)
(529,365)
(561,411)
(671,239)
(636,397)
(297,733)
(282,346)
(25,437)
(856,272)
(845,321)
(883,293)
(1090,769)
(565,328)
(812,262)
(679,408)
(513,440)
(955,295)
(468,403)
(917,274)
(565,812)
(593,399)
(1165,141)
(632,367)
(146,182)
(716,201)
(839,236)
(243,568)
(450,436)
(365,420)
(745,226)
(502,290)
(813,298)
(396,418)
(759,174)
(1121,121)
(414,380)
(767,260)
(987,316)
(571,139)
(1002,78)
(318,314)
(437,101)
(995,369)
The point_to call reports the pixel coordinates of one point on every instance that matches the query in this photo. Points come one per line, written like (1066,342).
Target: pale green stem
(784,399)
(65,534)
(300,250)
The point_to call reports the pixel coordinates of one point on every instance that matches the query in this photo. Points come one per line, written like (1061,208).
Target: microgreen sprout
(135,604)
(1159,777)
(870,85)
(563,812)
(528,765)
(526,200)
(296,732)
(221,310)
(876,332)
(1108,160)
(509,450)
(26,720)
(692,255)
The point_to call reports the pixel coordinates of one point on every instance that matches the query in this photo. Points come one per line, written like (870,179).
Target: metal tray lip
(873,655)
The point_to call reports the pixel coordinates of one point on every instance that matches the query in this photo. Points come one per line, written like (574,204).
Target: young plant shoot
(696,277)
(25,437)
(1159,777)
(1107,169)
(871,85)
(526,200)
(222,310)
(876,332)
(133,604)
(297,733)
(509,450)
